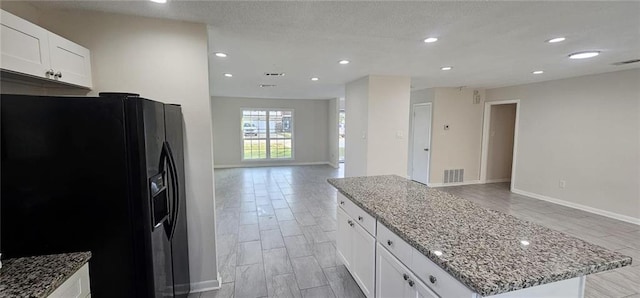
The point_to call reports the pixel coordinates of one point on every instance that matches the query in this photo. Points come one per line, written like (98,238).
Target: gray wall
(583,130)
(310,125)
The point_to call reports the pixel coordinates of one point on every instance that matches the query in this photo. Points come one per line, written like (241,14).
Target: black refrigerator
(102,174)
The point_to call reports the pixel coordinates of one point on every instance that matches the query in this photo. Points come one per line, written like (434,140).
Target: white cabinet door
(25,47)
(343,238)
(391,276)
(420,290)
(70,61)
(76,286)
(363,259)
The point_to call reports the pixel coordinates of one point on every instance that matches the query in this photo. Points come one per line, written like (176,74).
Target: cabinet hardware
(49,72)
(411,283)
(432,279)
(360,218)
(341,202)
(350,222)
(58,75)
(405,276)
(389,242)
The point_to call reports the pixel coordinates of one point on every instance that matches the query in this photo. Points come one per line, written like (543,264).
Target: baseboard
(454,184)
(208,285)
(497,180)
(586,208)
(273,164)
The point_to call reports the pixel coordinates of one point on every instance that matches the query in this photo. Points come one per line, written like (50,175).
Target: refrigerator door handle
(176,190)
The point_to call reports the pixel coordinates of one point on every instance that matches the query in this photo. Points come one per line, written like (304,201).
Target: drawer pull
(389,242)
(360,218)
(350,222)
(432,279)
(411,283)
(405,276)
(341,202)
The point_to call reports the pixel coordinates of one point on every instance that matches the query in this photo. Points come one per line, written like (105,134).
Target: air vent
(626,62)
(274,74)
(266,85)
(453,176)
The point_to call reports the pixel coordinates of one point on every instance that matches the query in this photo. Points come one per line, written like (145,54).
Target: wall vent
(453,176)
(274,74)
(626,62)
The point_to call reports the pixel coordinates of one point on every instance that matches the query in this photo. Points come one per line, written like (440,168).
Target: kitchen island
(60,275)
(428,243)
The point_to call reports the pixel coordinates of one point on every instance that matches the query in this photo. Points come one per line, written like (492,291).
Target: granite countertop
(38,276)
(489,251)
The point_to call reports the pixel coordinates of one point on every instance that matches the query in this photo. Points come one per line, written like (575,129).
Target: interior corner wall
(388,129)
(310,130)
(333,134)
(356,126)
(500,145)
(460,146)
(585,131)
(163,60)
(418,96)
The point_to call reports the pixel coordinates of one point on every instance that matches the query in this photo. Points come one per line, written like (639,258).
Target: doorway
(499,141)
(341,140)
(421,142)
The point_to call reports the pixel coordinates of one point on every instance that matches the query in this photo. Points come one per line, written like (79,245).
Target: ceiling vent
(266,85)
(626,62)
(274,74)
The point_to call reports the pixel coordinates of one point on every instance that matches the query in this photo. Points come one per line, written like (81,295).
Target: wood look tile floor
(276,233)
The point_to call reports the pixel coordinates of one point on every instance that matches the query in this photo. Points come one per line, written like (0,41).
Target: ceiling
(488,44)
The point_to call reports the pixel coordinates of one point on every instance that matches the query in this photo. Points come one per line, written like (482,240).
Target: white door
(421,142)
(25,47)
(363,259)
(70,61)
(343,238)
(392,278)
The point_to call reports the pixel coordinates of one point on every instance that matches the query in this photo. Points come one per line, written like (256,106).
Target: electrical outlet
(562,184)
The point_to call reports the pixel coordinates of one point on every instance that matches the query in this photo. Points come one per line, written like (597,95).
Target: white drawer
(398,247)
(436,278)
(77,286)
(360,216)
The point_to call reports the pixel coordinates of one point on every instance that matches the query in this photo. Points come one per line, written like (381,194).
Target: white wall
(500,145)
(310,125)
(165,61)
(583,130)
(333,110)
(356,125)
(388,127)
(460,146)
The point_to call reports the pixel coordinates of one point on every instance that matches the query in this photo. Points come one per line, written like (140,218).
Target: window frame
(268,135)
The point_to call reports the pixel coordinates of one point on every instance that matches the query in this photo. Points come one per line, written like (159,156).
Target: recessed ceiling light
(314,79)
(344,62)
(584,55)
(538,72)
(446,68)
(556,39)
(221,55)
(228,75)
(431,39)
(159,1)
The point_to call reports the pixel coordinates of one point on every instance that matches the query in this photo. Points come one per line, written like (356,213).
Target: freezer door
(159,200)
(179,247)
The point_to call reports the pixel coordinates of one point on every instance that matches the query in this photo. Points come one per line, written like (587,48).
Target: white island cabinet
(31,51)
(76,286)
(394,269)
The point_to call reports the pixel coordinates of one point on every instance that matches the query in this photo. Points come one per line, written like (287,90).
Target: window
(267,134)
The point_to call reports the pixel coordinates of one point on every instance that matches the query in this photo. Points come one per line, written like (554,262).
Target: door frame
(485,138)
(413,119)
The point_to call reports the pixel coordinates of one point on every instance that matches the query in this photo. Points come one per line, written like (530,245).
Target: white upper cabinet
(30,50)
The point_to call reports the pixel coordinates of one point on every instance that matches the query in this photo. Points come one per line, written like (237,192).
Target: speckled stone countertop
(484,249)
(38,276)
